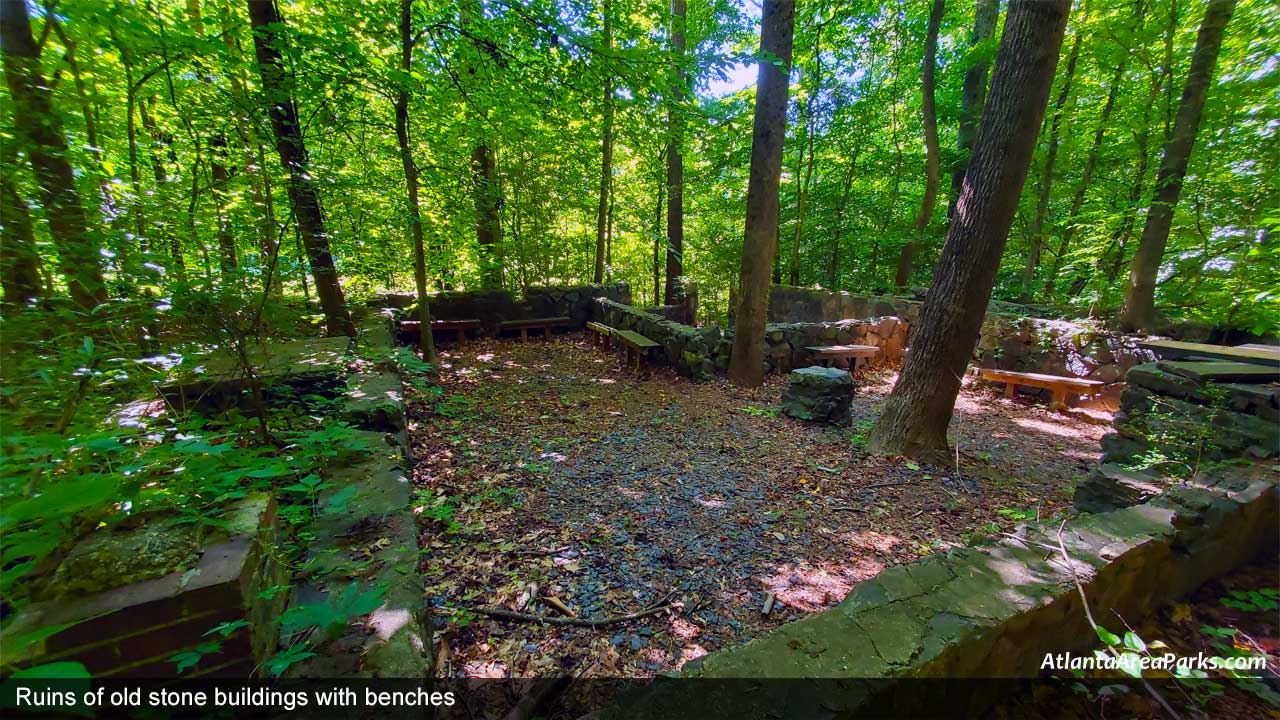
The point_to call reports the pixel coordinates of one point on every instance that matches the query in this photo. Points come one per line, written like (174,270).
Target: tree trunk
(833,269)
(1090,163)
(657,230)
(159,141)
(254,161)
(746,364)
(39,134)
(973,95)
(19,257)
(488,222)
(675,160)
(1139,312)
(426,341)
(932,153)
(606,150)
(1046,184)
(278,91)
(916,415)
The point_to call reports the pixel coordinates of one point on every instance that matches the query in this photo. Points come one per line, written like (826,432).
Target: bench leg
(546,332)
(524,334)
(1009,388)
(462,335)
(1059,398)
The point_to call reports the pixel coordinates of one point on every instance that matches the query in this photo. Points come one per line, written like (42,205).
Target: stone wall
(1191,412)
(690,351)
(1009,339)
(991,611)
(493,307)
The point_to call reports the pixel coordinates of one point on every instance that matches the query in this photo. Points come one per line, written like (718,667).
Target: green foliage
(331,617)
(1253,600)
(768,412)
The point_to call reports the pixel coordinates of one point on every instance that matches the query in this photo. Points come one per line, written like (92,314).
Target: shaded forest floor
(544,470)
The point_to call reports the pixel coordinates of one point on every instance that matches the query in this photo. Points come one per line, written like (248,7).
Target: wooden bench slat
(468,324)
(842,351)
(532,323)
(1038,379)
(635,339)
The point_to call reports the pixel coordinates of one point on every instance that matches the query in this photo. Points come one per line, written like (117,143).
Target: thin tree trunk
(1139,311)
(675,159)
(810,130)
(606,149)
(1091,162)
(488,224)
(973,95)
(39,132)
(746,363)
(19,257)
(106,199)
(657,230)
(159,141)
(1046,184)
(292,149)
(833,269)
(218,175)
(426,341)
(932,153)
(916,415)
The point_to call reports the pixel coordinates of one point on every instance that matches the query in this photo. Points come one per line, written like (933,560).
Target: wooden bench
(633,343)
(1058,384)
(411,328)
(825,354)
(602,333)
(543,324)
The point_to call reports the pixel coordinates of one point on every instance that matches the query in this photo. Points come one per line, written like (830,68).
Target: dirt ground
(546,473)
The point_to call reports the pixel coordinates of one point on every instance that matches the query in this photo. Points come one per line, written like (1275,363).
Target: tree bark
(657,230)
(1046,184)
(426,342)
(292,149)
(39,133)
(746,363)
(973,95)
(932,153)
(1139,312)
(606,150)
(675,159)
(916,414)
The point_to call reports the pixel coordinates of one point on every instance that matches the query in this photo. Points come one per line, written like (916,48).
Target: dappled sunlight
(871,541)
(1047,428)
(813,588)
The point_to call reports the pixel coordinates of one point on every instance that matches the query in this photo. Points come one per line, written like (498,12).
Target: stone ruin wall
(1009,340)
(493,307)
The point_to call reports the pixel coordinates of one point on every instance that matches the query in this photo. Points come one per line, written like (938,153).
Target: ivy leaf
(1107,637)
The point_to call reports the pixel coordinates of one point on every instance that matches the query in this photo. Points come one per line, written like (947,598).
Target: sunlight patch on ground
(813,588)
(481,669)
(1042,426)
(872,541)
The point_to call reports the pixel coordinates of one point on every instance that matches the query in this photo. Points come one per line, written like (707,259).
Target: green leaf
(54,671)
(1107,637)
(1133,642)
(61,499)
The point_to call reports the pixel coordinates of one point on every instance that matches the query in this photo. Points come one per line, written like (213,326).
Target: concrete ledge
(994,611)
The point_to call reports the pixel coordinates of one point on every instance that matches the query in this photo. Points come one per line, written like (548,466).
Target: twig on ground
(559,606)
(768,604)
(576,621)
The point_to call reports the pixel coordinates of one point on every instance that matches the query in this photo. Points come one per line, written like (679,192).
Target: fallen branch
(768,604)
(576,621)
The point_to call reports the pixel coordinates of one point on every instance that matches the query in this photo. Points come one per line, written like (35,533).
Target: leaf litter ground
(546,473)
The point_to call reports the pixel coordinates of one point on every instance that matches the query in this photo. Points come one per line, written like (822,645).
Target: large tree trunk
(1091,162)
(675,158)
(426,341)
(39,133)
(746,363)
(488,222)
(1046,184)
(916,414)
(281,108)
(606,151)
(1139,311)
(973,95)
(932,153)
(657,229)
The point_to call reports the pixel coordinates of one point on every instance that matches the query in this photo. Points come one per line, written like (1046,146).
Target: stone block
(819,394)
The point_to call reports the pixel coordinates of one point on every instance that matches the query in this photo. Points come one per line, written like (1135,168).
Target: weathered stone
(140,549)
(819,394)
(1111,487)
